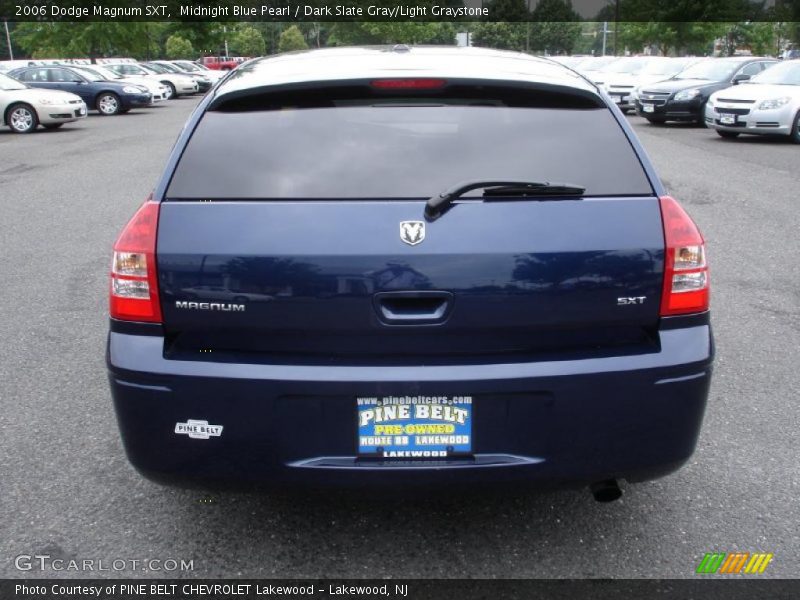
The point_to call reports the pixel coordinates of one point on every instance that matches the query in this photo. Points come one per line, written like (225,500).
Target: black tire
(795,135)
(108,104)
(22,118)
(53,125)
(728,135)
(655,121)
(173,93)
(701,120)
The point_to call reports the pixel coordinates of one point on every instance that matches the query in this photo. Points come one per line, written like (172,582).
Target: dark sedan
(107,97)
(684,96)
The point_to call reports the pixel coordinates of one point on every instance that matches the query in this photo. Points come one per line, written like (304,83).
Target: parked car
(619,77)
(623,64)
(534,307)
(157,90)
(222,63)
(657,69)
(768,104)
(191,67)
(107,97)
(683,97)
(204,83)
(24,108)
(177,84)
(590,65)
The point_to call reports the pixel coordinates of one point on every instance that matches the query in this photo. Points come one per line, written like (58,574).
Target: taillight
(134,285)
(685,268)
(408,84)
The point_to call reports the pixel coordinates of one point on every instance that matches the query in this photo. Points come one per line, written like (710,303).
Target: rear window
(383,148)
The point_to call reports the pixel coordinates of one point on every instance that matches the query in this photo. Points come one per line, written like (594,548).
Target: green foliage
(247,41)
(556,28)
(177,47)
(207,37)
(291,39)
(502,35)
(668,37)
(76,40)
(391,32)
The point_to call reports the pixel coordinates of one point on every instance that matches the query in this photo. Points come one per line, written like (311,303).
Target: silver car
(767,104)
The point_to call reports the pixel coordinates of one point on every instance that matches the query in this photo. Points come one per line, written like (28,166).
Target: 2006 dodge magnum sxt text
(417,265)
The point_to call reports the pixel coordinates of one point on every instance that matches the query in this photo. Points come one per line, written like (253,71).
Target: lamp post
(8,40)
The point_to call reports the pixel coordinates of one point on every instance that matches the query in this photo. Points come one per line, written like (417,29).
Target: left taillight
(134,283)
(686,284)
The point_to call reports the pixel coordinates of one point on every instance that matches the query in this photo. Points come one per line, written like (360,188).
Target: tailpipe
(606,491)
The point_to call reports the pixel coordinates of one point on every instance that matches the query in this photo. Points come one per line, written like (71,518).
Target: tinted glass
(713,70)
(392,150)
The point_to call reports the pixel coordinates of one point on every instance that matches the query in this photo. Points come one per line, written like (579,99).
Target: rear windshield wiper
(438,205)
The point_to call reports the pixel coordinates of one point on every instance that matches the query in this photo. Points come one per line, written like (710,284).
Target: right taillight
(134,284)
(685,268)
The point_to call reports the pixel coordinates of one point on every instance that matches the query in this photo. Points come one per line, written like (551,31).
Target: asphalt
(67,491)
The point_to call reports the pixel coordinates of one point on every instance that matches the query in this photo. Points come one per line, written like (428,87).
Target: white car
(767,104)
(621,77)
(193,67)
(178,85)
(24,108)
(157,89)
(623,87)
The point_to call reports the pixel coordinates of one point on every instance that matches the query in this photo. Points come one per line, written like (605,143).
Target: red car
(223,63)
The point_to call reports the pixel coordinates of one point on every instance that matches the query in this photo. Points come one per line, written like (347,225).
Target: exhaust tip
(606,491)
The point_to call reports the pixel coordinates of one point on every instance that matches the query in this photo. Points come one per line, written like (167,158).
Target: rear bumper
(567,422)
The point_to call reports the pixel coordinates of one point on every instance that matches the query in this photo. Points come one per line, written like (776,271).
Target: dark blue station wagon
(409,265)
(104,96)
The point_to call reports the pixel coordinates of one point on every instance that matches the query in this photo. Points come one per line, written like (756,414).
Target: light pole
(8,39)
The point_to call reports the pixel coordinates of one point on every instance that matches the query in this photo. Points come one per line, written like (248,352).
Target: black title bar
(401,11)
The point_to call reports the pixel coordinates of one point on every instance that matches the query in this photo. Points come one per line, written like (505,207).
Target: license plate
(727,119)
(648,108)
(414,427)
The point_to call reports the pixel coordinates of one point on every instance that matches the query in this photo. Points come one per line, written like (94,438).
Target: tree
(206,37)
(292,39)
(177,47)
(556,27)
(79,40)
(391,32)
(249,42)
(502,35)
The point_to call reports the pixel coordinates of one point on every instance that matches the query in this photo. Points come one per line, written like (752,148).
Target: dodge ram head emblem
(412,232)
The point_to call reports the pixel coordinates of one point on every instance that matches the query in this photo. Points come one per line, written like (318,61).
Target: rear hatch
(293,228)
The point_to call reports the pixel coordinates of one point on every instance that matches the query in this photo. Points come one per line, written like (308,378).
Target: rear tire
(728,135)
(108,104)
(795,135)
(53,125)
(22,118)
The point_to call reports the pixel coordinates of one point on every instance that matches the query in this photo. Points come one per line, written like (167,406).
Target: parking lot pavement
(68,491)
